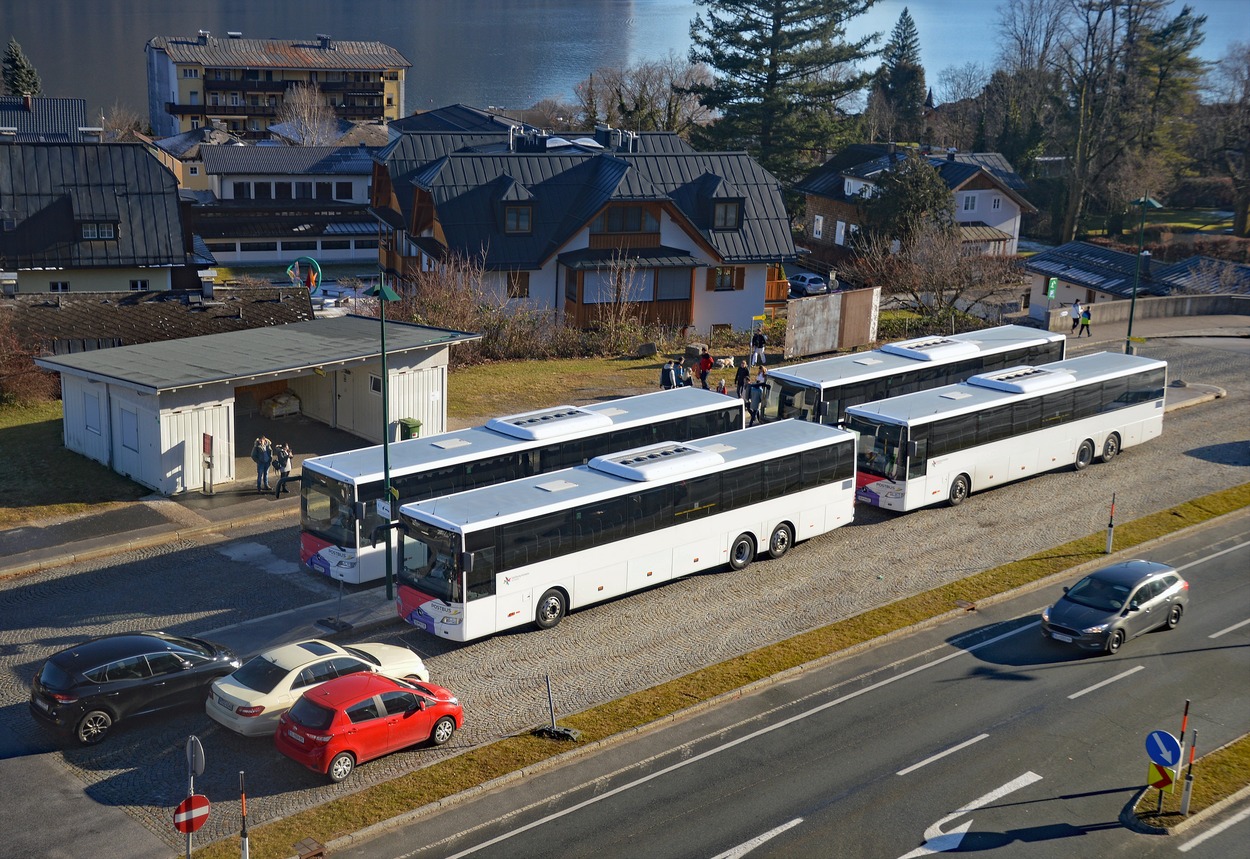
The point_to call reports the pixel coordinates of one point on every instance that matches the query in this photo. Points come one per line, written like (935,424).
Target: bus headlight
(450,621)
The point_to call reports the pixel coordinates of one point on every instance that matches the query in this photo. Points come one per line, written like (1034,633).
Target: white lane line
(746,847)
(1119,676)
(1206,558)
(1214,830)
(797,717)
(1229,628)
(941,755)
(937,841)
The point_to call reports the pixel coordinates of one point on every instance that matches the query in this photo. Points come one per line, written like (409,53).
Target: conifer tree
(20,77)
(900,80)
(779,69)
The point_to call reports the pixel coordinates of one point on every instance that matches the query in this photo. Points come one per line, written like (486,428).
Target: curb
(1128,816)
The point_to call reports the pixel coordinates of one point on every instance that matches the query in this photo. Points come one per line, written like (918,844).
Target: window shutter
(740,277)
(711,279)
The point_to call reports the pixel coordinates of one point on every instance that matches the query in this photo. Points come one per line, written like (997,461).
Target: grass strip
(381,802)
(1217,775)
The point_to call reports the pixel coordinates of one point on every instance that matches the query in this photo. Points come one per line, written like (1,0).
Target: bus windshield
(326,509)
(788,400)
(429,560)
(880,450)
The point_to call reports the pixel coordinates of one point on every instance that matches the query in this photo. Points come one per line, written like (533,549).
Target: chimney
(950,153)
(204,34)
(28,101)
(602,134)
(1145,267)
(326,43)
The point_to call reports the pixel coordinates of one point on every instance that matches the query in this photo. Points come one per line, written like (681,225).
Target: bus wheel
(550,609)
(1084,455)
(742,553)
(1110,447)
(780,542)
(961,488)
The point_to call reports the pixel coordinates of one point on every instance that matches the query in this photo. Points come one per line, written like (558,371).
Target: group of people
(1080,316)
(266,455)
(676,374)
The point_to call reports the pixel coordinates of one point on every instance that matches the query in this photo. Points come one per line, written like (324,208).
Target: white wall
(731,307)
(86,426)
(184,420)
(136,436)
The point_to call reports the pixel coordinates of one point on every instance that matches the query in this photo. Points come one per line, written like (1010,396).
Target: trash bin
(409,428)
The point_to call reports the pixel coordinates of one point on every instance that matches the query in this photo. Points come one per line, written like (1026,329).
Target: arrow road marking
(747,846)
(937,841)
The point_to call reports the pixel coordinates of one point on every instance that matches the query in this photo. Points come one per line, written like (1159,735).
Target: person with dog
(705,367)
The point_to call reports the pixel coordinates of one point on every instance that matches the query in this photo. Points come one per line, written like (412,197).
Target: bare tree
(122,124)
(651,96)
(312,120)
(1229,134)
(961,105)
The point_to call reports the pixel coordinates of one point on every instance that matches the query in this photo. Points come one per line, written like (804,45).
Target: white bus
(482,561)
(339,492)
(823,390)
(943,444)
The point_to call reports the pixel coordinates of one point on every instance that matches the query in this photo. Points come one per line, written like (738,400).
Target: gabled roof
(1094,267)
(567,190)
(289,160)
(50,190)
(68,322)
(188,143)
(43,120)
(238,53)
(1205,274)
(455,118)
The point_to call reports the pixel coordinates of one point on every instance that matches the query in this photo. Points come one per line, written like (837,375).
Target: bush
(1202,192)
(20,380)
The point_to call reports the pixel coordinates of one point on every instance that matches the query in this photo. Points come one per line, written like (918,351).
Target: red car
(353,719)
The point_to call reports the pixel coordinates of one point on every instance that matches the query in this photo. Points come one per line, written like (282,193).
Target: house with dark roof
(181,154)
(1092,273)
(196,81)
(987,196)
(578,224)
(455,118)
(37,119)
(274,204)
(84,217)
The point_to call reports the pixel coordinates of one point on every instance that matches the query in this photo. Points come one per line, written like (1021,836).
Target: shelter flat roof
(249,356)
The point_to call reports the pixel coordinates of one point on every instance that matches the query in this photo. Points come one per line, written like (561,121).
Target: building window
(625,219)
(129,429)
(970,202)
(195,123)
(518,284)
(58,286)
(375,384)
(234,99)
(263,190)
(282,190)
(299,246)
(214,99)
(138,286)
(343,190)
(998,203)
(194,171)
(89,231)
(726,216)
(105,230)
(818,226)
(258,246)
(242,190)
(91,412)
(366,244)
(336,245)
(303,190)
(726,278)
(325,191)
(517,219)
(221,247)
(190,73)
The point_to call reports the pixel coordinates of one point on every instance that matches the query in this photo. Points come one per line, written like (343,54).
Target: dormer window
(727,215)
(92,231)
(625,219)
(516,220)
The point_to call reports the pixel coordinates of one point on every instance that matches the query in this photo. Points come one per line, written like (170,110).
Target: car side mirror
(1133,606)
(1065,589)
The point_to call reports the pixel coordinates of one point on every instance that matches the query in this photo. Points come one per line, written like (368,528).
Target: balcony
(220,109)
(246,85)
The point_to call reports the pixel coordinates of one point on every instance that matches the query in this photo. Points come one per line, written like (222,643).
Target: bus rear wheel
(781,541)
(742,553)
(1084,455)
(961,488)
(551,608)
(1111,447)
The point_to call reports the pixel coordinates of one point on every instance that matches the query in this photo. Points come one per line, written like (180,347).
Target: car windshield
(360,654)
(259,674)
(312,716)
(1096,593)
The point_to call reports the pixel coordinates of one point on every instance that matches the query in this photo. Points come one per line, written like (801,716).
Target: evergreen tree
(20,77)
(779,69)
(910,197)
(900,80)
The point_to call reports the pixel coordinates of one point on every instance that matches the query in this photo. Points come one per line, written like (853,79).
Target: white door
(344,401)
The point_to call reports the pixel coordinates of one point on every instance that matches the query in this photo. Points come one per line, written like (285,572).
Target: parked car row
(328,707)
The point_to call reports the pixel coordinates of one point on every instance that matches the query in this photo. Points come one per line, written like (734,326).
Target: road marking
(1206,558)
(937,841)
(746,847)
(1119,676)
(1229,628)
(941,755)
(798,717)
(1215,830)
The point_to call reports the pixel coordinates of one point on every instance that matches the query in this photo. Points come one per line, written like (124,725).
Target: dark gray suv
(1112,605)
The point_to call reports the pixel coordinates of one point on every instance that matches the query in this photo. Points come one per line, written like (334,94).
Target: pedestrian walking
(758,341)
(262,455)
(755,396)
(721,387)
(1076,314)
(668,375)
(705,367)
(1084,323)
(744,376)
(282,458)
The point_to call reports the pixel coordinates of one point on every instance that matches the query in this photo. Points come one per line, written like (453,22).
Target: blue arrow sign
(1163,748)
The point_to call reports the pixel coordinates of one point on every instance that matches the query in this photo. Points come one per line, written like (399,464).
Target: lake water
(507,53)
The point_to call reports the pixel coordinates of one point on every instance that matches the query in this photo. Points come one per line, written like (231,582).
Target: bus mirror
(822,409)
(466,562)
(913,449)
(358,510)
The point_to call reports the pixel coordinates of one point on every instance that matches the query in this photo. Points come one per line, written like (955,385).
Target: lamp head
(382,292)
(1148,202)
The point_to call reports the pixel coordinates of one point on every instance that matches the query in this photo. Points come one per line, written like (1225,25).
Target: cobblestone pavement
(596,654)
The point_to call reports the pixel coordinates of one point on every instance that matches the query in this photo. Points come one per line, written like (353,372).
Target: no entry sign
(191,813)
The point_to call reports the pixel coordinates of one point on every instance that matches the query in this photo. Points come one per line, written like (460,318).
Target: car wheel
(780,541)
(1174,616)
(93,727)
(742,553)
(961,488)
(551,608)
(1115,641)
(443,730)
(1111,447)
(341,767)
(1084,455)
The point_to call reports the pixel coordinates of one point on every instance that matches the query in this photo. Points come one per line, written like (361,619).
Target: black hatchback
(90,687)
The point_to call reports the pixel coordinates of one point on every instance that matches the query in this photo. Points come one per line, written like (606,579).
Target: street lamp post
(1143,203)
(384,293)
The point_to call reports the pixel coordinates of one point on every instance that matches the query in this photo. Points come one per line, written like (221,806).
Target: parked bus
(823,390)
(339,492)
(490,559)
(943,444)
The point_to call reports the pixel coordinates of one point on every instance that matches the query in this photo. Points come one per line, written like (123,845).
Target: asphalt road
(977,736)
(128,785)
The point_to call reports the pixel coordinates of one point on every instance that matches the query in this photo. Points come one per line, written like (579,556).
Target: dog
(724,363)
